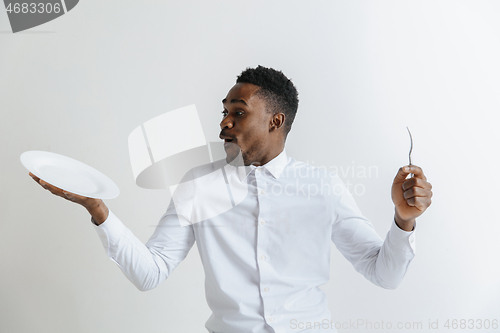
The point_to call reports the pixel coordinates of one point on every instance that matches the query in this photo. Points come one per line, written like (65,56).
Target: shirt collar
(274,166)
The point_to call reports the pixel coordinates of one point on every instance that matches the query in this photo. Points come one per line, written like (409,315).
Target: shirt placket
(264,257)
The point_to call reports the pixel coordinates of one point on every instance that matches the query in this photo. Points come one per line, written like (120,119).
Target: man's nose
(227,122)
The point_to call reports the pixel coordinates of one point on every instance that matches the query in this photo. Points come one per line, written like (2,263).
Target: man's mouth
(227,138)
(231,144)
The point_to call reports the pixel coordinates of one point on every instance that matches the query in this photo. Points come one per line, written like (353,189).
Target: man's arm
(383,262)
(145,266)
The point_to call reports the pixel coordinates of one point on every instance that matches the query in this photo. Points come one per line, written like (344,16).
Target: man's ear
(277,121)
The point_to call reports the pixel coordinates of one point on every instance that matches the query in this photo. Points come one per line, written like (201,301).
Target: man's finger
(35,178)
(416,182)
(403,172)
(417,192)
(421,203)
(46,185)
(60,192)
(40,182)
(417,172)
(51,188)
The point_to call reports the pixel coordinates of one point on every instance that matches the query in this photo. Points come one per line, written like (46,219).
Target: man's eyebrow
(235,101)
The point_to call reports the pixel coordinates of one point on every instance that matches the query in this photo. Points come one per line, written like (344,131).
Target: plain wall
(80,84)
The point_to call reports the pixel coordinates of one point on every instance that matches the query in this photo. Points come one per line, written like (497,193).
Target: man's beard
(235,156)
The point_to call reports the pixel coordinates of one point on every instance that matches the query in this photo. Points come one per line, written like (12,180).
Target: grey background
(80,84)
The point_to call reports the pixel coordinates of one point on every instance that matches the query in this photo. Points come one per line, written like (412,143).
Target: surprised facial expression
(245,124)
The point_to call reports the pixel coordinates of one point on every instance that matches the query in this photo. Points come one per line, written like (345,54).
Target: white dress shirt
(267,252)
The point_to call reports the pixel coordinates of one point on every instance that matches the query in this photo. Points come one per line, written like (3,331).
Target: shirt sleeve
(383,262)
(147,265)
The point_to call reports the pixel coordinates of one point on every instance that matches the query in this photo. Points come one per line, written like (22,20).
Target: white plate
(69,174)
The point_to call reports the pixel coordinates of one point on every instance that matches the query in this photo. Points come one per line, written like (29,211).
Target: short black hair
(276,89)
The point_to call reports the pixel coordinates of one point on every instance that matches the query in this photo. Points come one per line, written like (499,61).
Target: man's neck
(268,157)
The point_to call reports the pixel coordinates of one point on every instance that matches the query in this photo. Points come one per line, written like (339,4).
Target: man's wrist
(99,212)
(406,225)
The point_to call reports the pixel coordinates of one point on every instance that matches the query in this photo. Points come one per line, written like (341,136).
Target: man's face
(245,124)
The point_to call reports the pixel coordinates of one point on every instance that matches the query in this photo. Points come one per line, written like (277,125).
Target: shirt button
(271,318)
(262,192)
(262,222)
(262,257)
(266,289)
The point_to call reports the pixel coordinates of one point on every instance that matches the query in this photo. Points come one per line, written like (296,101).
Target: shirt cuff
(401,239)
(110,230)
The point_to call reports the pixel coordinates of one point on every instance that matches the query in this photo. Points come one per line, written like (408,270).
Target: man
(265,256)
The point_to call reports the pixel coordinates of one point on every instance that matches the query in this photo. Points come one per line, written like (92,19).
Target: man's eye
(239,113)
(224,113)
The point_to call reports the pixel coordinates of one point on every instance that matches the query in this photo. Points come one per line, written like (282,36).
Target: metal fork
(411,148)
(411,142)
